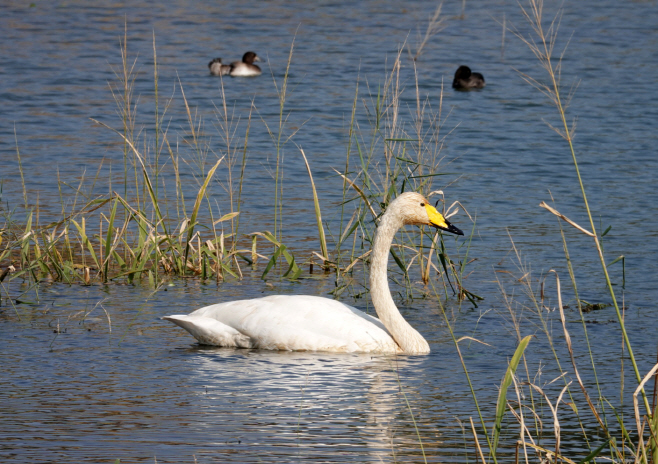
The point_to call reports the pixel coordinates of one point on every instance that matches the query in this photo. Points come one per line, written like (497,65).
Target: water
(145,391)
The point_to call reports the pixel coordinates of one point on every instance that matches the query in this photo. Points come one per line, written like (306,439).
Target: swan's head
(415,209)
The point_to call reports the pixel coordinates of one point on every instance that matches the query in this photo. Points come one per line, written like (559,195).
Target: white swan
(311,323)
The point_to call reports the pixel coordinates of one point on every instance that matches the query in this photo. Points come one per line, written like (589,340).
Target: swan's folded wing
(209,331)
(303,323)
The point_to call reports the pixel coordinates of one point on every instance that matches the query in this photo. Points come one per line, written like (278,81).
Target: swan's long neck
(408,338)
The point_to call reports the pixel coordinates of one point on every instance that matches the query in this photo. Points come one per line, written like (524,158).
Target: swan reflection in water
(316,404)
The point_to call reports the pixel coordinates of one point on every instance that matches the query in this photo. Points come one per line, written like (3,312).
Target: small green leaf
(595,453)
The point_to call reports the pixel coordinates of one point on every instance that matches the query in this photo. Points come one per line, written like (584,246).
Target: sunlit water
(93,375)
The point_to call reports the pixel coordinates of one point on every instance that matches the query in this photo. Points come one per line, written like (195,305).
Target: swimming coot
(467,80)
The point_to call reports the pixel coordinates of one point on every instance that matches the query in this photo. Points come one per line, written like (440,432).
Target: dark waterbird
(467,80)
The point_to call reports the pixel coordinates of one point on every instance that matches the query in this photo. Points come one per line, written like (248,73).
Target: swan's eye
(422,204)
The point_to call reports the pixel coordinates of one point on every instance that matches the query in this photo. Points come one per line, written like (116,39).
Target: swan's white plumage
(281,322)
(301,322)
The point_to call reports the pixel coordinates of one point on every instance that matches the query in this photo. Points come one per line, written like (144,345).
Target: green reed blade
(271,263)
(228,270)
(399,262)
(595,453)
(296,271)
(25,241)
(318,214)
(197,205)
(85,241)
(501,404)
(108,240)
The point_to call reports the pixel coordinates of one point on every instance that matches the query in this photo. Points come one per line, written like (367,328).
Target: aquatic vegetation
(435,24)
(148,230)
(622,444)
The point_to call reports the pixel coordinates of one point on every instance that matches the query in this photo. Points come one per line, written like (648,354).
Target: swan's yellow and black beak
(437,220)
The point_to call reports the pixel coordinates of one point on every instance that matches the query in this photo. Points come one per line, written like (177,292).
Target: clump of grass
(149,230)
(131,235)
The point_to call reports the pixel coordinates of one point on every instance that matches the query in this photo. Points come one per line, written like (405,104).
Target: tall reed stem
(543,52)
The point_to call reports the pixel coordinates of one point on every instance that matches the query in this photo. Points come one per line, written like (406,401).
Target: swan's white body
(282,322)
(311,323)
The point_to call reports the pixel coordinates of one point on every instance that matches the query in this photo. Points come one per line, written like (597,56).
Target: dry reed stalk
(636,407)
(543,50)
(318,213)
(434,26)
(477,442)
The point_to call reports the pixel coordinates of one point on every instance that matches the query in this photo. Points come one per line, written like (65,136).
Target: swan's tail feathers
(209,331)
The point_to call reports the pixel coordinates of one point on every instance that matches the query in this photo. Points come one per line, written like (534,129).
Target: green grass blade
(292,266)
(318,214)
(595,453)
(108,240)
(85,240)
(197,205)
(501,405)
(271,263)
(399,262)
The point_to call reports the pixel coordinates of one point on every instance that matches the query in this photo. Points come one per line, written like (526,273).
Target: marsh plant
(151,227)
(604,431)
(394,153)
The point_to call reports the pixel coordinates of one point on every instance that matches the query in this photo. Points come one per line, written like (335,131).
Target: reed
(126,235)
(318,213)
(532,399)
(390,152)
(543,48)
(435,24)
